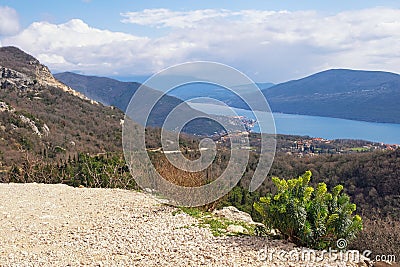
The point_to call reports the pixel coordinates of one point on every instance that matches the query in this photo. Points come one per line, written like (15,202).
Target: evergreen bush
(308,216)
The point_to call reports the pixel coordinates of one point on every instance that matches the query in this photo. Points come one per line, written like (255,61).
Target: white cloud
(278,45)
(9,22)
(76,46)
(168,18)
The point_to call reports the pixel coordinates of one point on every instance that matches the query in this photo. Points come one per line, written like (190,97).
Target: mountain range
(349,94)
(372,96)
(112,92)
(108,91)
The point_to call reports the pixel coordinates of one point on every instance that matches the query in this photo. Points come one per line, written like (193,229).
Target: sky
(269,40)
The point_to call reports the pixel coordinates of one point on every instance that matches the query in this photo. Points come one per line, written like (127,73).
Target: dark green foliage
(371,179)
(309,217)
(242,199)
(26,144)
(106,170)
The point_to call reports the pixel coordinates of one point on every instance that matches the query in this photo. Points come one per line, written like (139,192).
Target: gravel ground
(57,225)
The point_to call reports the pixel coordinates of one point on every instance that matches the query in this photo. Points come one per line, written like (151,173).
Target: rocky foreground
(57,225)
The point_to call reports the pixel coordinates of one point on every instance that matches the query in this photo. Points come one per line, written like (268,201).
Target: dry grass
(381,236)
(177,176)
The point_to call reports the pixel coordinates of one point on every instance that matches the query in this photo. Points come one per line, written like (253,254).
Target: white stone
(237,229)
(233,214)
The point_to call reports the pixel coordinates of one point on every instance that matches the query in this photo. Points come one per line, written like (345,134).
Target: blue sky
(106,14)
(268,40)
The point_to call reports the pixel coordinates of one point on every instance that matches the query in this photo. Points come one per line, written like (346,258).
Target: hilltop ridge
(12,58)
(41,117)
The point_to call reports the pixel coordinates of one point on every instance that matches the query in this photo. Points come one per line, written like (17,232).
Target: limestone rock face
(20,69)
(45,77)
(9,77)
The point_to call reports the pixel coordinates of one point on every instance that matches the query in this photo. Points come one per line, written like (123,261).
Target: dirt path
(57,225)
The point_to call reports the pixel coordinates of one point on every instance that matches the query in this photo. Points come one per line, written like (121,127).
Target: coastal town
(307,146)
(301,146)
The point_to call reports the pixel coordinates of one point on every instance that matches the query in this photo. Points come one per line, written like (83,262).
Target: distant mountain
(340,93)
(41,117)
(116,93)
(263,86)
(216,92)
(108,91)
(133,78)
(350,94)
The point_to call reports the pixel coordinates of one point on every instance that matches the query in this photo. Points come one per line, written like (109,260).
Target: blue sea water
(314,126)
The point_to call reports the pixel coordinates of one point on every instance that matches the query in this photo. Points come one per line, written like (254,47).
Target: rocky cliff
(23,71)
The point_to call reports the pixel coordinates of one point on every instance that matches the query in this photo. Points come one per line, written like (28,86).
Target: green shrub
(308,216)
